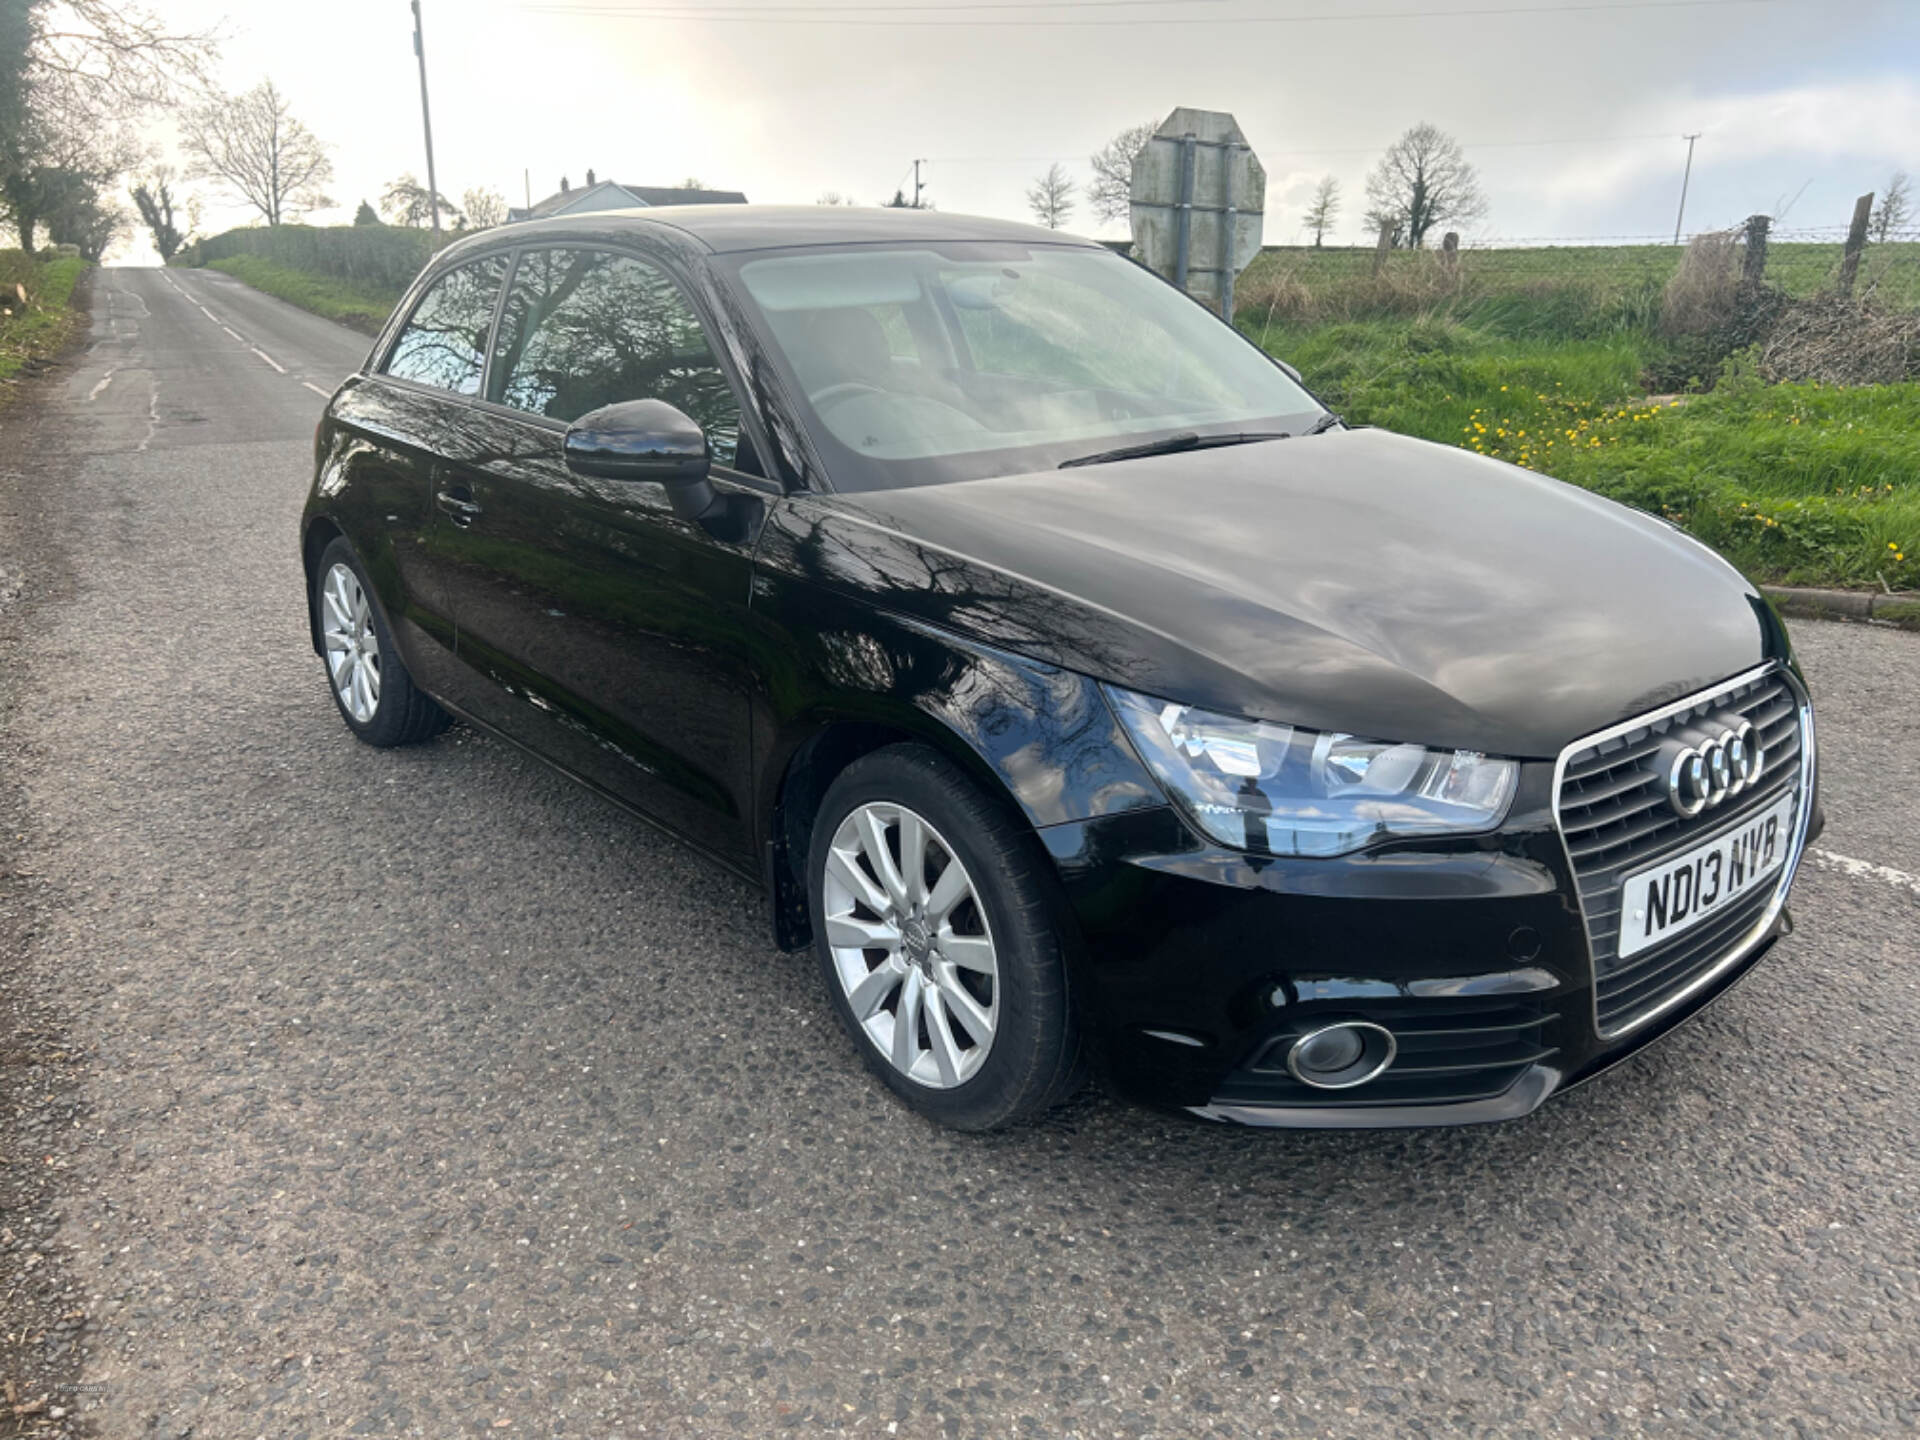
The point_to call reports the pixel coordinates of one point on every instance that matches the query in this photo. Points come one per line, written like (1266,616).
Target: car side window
(444,342)
(586,328)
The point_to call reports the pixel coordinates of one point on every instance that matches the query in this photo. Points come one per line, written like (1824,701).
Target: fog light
(1341,1055)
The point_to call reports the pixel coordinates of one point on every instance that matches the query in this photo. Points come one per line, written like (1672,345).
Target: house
(609,195)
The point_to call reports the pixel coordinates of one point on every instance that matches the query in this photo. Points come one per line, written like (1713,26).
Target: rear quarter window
(444,342)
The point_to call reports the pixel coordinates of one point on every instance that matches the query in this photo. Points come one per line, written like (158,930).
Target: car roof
(727,228)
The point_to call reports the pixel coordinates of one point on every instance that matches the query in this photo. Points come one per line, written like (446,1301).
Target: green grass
(42,326)
(1795,484)
(357,304)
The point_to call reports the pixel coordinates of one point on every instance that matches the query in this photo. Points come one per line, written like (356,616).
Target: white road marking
(1865,870)
(316,389)
(153,413)
(233,332)
(269,359)
(105,380)
(226,327)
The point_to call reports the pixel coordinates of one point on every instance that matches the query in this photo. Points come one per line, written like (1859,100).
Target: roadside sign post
(1199,201)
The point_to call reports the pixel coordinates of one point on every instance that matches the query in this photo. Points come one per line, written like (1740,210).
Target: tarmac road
(419,1093)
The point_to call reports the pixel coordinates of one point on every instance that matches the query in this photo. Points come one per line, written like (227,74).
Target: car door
(612,633)
(398,423)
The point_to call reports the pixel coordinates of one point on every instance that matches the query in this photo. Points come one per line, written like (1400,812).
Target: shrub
(386,257)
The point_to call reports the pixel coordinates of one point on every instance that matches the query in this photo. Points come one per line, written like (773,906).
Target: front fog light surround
(1341,1055)
(1285,790)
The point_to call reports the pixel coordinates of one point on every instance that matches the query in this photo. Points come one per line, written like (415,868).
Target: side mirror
(645,440)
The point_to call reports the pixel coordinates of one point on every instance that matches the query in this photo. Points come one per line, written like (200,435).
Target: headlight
(1284,790)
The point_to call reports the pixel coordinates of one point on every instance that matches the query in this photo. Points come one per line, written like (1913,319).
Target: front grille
(1615,818)
(1447,1052)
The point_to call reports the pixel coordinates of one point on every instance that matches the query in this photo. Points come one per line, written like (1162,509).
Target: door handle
(458,502)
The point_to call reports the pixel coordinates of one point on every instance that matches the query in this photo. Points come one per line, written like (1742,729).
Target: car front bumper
(1199,966)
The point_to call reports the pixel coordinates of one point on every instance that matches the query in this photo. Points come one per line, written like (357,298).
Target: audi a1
(1079,690)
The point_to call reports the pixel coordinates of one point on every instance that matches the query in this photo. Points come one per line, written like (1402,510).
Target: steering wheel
(841,391)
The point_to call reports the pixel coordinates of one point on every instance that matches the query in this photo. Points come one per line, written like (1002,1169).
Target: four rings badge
(1705,764)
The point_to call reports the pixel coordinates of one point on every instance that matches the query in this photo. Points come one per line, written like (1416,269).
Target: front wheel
(376,695)
(934,931)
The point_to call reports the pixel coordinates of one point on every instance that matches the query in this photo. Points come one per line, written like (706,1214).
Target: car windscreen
(925,363)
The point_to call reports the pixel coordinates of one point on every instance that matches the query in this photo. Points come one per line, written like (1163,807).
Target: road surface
(420,1093)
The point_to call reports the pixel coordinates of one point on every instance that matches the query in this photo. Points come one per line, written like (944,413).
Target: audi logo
(1705,766)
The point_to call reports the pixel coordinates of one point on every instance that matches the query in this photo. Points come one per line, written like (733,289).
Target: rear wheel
(935,934)
(376,696)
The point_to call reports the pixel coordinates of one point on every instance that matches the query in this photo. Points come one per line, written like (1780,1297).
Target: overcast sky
(1572,109)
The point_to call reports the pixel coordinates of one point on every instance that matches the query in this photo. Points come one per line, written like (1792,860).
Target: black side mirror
(645,440)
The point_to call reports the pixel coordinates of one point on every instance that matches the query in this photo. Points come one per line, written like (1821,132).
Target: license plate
(1674,896)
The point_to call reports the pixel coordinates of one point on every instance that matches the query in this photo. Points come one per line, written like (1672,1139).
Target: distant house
(609,195)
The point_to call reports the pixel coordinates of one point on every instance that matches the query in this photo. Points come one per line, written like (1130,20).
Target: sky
(1571,110)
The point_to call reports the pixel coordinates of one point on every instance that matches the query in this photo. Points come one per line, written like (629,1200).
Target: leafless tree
(1324,211)
(115,52)
(832,197)
(405,201)
(254,146)
(1110,191)
(153,198)
(1894,211)
(484,208)
(1051,197)
(1422,181)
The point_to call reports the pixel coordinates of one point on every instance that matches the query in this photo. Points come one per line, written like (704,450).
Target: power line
(872,15)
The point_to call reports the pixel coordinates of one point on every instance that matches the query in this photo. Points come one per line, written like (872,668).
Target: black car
(1078,687)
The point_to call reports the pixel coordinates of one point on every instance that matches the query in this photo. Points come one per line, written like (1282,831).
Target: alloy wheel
(353,649)
(910,945)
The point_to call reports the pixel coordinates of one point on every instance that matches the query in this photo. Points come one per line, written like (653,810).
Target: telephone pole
(916,183)
(1684,178)
(426,119)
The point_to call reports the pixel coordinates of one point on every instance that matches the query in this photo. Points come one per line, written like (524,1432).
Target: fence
(386,257)
(1567,286)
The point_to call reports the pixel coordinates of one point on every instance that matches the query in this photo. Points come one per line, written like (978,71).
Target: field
(39,328)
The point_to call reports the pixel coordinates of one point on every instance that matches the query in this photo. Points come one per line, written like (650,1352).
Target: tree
(1422,181)
(1051,197)
(1324,211)
(153,198)
(252,145)
(692,182)
(1110,191)
(406,202)
(87,220)
(366,215)
(484,208)
(832,197)
(1894,211)
(901,202)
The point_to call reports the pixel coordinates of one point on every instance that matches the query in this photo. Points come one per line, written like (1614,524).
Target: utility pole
(426,119)
(1684,178)
(916,183)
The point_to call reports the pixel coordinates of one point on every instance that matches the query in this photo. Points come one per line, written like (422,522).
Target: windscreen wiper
(1325,423)
(1174,444)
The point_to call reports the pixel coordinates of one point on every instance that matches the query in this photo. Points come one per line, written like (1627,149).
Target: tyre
(368,682)
(935,929)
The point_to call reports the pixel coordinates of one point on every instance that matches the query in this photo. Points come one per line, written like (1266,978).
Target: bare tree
(1894,211)
(252,144)
(1051,197)
(1422,181)
(1110,191)
(113,52)
(484,208)
(1324,211)
(832,197)
(405,201)
(153,198)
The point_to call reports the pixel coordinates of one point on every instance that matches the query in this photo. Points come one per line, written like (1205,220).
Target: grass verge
(357,305)
(35,330)
(1795,484)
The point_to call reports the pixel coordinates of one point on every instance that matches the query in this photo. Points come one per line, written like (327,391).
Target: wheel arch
(321,532)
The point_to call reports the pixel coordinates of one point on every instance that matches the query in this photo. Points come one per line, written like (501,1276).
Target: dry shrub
(1839,341)
(1705,291)
(1413,282)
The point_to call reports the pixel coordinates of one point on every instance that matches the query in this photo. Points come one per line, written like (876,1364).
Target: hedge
(382,256)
